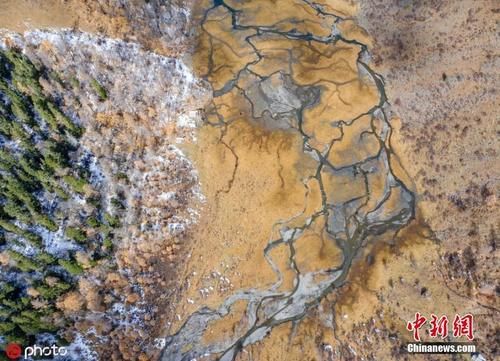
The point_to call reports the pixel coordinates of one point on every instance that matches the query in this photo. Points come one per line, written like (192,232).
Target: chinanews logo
(444,330)
(14,351)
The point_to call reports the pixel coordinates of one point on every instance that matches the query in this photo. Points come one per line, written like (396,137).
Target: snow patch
(56,243)
(140,80)
(79,350)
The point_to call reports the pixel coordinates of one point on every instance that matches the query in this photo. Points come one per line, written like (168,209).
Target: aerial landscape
(249,180)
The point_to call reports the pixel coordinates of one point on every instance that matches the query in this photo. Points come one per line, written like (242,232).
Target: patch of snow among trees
(135,80)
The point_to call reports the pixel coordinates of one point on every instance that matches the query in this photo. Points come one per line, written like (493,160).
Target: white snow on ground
(25,248)
(166,196)
(79,350)
(129,316)
(160,90)
(189,119)
(135,80)
(56,243)
(169,169)
(89,162)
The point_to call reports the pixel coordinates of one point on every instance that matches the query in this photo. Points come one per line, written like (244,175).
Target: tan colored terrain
(441,66)
(395,275)
(309,176)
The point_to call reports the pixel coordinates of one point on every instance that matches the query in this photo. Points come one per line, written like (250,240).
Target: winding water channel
(303,68)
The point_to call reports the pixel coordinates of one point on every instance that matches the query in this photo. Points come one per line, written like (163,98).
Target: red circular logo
(13,351)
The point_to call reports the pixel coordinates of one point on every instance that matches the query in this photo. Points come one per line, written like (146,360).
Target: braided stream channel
(299,118)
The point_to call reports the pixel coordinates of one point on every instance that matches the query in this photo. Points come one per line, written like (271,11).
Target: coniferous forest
(43,180)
